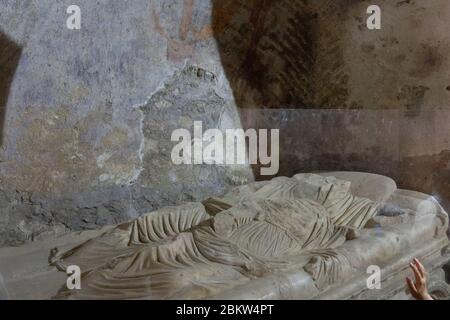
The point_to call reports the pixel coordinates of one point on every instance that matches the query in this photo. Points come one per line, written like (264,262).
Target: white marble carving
(293,238)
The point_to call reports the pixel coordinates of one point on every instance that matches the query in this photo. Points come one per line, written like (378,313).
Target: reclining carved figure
(199,250)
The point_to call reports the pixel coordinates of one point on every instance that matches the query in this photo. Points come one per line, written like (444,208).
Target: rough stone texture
(287,53)
(320,54)
(10,53)
(187,97)
(85,143)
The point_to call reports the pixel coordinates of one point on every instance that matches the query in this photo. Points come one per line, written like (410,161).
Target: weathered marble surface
(287,238)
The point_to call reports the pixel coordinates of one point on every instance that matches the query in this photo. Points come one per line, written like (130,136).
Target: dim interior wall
(405,64)
(386,142)
(345,97)
(402,67)
(320,54)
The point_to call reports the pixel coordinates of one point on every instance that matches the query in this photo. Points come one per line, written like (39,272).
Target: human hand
(418,288)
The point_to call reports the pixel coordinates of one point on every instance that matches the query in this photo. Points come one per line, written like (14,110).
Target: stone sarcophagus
(312,236)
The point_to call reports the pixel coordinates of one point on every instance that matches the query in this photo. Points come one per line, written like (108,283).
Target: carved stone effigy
(310,236)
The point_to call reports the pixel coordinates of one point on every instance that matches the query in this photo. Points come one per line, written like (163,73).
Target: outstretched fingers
(411,286)
(420,267)
(417,274)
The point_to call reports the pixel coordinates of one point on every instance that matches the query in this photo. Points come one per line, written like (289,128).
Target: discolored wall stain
(282,54)
(428,59)
(10,53)
(410,51)
(185,29)
(428,173)
(320,54)
(413,98)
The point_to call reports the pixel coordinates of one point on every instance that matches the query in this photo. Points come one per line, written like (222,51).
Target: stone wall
(87,114)
(320,54)
(346,97)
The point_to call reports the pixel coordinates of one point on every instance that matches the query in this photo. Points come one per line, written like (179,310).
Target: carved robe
(199,249)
